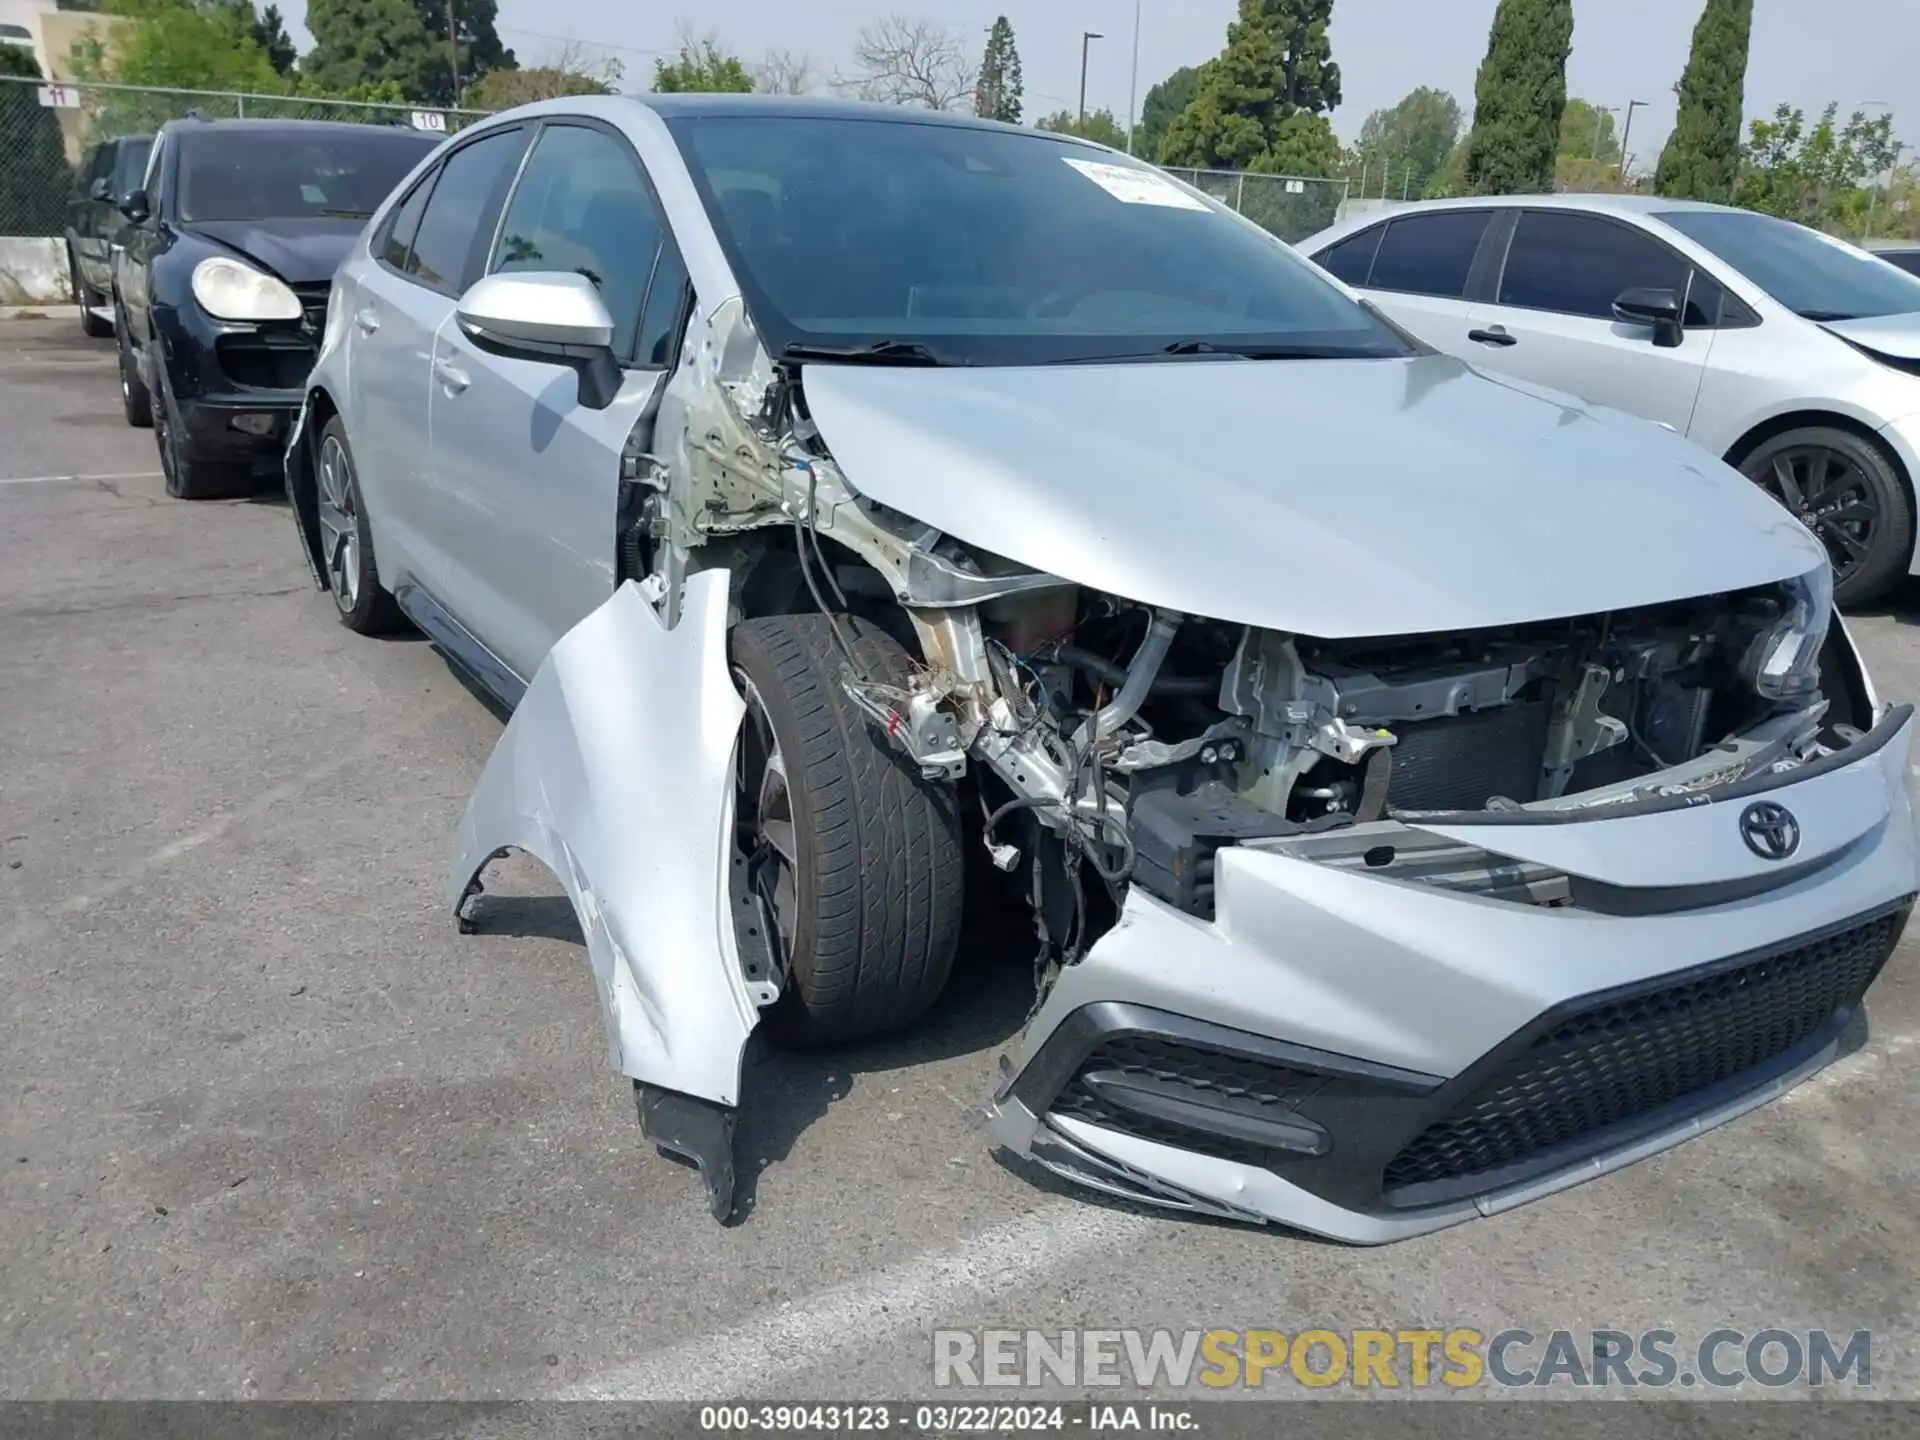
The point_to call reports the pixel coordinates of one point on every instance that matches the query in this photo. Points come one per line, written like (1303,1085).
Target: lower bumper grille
(1625,1057)
(1240,1086)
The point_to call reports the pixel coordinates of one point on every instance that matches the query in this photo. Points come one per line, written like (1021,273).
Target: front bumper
(238,388)
(1370,1058)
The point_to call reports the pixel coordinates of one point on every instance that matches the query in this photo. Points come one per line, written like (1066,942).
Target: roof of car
(1623,204)
(799,107)
(1882,247)
(293,129)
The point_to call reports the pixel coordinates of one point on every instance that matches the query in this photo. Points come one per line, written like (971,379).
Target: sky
(1863,53)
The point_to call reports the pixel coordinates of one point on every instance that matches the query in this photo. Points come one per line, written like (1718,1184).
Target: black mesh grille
(1625,1058)
(1205,1072)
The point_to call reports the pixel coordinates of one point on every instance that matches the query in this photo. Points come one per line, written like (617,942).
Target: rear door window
(450,247)
(130,165)
(1430,254)
(1352,259)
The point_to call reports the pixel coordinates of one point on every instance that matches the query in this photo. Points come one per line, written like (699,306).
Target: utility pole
(1625,131)
(1087,37)
(453,52)
(1133,86)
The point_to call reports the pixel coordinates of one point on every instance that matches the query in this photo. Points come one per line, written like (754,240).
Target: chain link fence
(46,130)
(1291,207)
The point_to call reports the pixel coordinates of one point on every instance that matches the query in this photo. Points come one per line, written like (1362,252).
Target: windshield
(973,246)
(278,175)
(1811,274)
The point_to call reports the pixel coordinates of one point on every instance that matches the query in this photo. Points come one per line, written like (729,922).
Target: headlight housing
(232,290)
(1783,661)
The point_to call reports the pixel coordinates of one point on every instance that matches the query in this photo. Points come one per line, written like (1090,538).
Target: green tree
(35,178)
(374,42)
(1587,132)
(1701,160)
(270,32)
(998,91)
(180,44)
(701,65)
(1099,125)
(1163,102)
(1818,176)
(1277,63)
(1404,149)
(480,49)
(504,89)
(1519,97)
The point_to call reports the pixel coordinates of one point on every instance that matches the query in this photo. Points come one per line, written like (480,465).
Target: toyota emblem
(1770,830)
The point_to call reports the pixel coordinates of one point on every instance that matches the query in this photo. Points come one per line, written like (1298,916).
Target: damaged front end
(1338,932)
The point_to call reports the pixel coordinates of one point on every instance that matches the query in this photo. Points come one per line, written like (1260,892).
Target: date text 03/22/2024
(1092,1418)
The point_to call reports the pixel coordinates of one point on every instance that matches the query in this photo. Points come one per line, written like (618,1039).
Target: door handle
(1497,335)
(367,320)
(452,378)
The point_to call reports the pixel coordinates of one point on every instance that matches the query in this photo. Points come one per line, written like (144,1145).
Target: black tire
(189,476)
(91,325)
(878,890)
(1845,489)
(135,399)
(346,539)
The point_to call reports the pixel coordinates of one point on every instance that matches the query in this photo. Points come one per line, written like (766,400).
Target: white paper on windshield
(1136,187)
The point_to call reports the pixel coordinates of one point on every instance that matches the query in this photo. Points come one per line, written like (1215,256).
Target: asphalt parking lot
(273,1128)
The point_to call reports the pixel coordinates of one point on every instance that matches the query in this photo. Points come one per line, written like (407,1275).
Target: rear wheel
(346,540)
(1844,489)
(857,856)
(91,325)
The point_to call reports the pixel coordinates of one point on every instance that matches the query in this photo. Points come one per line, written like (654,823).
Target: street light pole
(453,52)
(1133,86)
(1626,131)
(1087,37)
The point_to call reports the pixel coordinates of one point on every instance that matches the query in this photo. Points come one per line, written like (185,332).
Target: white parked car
(1792,355)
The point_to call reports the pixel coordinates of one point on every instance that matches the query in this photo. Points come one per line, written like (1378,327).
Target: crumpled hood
(1894,335)
(300,252)
(1328,498)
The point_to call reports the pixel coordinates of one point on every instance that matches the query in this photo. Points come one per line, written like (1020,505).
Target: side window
(150,177)
(666,312)
(582,204)
(99,163)
(1352,259)
(130,165)
(396,236)
(1578,264)
(1430,254)
(1704,298)
(450,243)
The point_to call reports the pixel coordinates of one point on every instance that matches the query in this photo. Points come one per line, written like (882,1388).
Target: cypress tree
(1519,97)
(997,94)
(1702,157)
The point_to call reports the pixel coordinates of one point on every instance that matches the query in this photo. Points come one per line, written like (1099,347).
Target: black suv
(221,282)
(108,171)
(1904,253)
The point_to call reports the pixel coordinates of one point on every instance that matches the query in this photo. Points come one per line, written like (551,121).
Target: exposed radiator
(1462,761)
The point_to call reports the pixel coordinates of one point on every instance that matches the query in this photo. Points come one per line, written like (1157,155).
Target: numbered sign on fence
(429,120)
(1296,187)
(60,97)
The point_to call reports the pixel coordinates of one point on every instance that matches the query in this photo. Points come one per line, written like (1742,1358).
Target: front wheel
(1844,489)
(189,476)
(91,325)
(855,854)
(136,401)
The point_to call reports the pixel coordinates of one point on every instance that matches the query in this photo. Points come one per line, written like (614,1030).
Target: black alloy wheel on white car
(346,540)
(1844,489)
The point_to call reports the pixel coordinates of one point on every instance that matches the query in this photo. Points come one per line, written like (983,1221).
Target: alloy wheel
(765,830)
(1832,496)
(339,523)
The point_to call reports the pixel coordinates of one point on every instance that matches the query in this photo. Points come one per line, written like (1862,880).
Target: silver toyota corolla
(1428,791)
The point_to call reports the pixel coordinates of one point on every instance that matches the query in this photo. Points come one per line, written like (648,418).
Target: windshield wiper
(344,214)
(880,352)
(1824,315)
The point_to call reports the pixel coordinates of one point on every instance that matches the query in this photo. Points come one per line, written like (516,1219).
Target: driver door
(1552,319)
(529,478)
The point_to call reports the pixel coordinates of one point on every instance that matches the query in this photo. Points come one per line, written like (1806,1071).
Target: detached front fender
(616,771)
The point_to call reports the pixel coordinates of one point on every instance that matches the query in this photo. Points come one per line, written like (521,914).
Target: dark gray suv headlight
(1783,662)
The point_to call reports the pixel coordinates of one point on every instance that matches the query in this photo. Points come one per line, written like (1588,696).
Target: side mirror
(134,206)
(548,316)
(1656,306)
(100,189)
